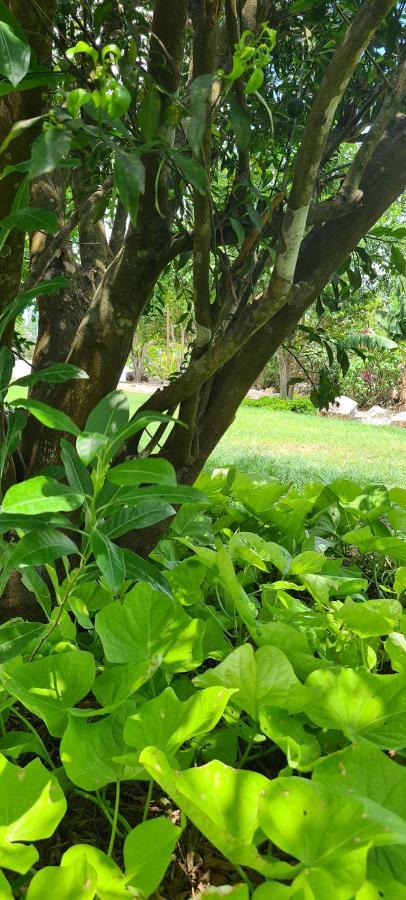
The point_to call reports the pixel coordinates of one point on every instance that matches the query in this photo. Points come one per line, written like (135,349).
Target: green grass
(300,448)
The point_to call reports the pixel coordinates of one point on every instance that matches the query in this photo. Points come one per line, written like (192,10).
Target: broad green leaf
(109,558)
(179,493)
(398,259)
(76,472)
(167,723)
(395,647)
(48,150)
(6,369)
(321,587)
(193,171)
(148,850)
(361,705)
(149,113)
(399,584)
(63,882)
(88,751)
(28,523)
(309,561)
(148,624)
(50,686)
(118,683)
(380,884)
(255,81)
(32,219)
(292,642)
(57,373)
(142,471)
(241,123)
(89,445)
(140,569)
(367,542)
(5,888)
(262,678)
(236,892)
(129,175)
(110,881)
(37,548)
(47,415)
(32,805)
(379,784)
(138,423)
(14,743)
(371,617)
(39,495)
(128,519)
(328,833)
(223,804)
(15,54)
(299,745)
(109,415)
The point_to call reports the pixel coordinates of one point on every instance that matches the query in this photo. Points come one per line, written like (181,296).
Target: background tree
(255,144)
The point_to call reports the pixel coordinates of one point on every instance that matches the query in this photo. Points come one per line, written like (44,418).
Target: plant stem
(115,819)
(148,801)
(34,732)
(246,752)
(243,876)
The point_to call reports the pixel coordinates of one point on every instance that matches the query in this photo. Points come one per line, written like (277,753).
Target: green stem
(115,819)
(243,876)
(246,752)
(34,732)
(148,801)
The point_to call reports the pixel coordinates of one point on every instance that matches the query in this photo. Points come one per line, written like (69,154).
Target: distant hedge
(297,404)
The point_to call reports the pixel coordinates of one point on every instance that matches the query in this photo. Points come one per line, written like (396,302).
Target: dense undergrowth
(242,693)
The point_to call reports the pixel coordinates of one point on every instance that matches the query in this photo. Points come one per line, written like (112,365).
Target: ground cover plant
(237,699)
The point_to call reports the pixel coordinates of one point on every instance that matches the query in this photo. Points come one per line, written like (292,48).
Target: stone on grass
(343,407)
(399,420)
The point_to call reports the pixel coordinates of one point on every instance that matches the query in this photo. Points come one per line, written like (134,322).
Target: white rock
(343,407)
(399,420)
(254,394)
(376,412)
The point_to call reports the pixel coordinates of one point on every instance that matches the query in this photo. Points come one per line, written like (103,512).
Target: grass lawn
(300,448)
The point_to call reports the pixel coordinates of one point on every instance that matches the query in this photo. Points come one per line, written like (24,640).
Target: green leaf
(140,569)
(109,558)
(300,747)
(109,415)
(15,54)
(361,705)
(129,174)
(395,647)
(89,446)
(148,624)
(32,219)
(89,751)
(118,683)
(255,81)
(398,259)
(6,369)
(264,677)
(39,495)
(379,784)
(148,850)
(14,743)
(149,113)
(76,472)
(110,882)
(193,171)
(141,516)
(37,548)
(57,373)
(241,123)
(200,93)
(371,617)
(29,523)
(49,687)
(223,804)
(48,150)
(47,415)
(329,834)
(399,584)
(63,882)
(367,542)
(32,807)
(167,723)
(143,471)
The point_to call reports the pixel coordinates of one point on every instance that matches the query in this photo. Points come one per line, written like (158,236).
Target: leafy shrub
(254,668)
(296,404)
